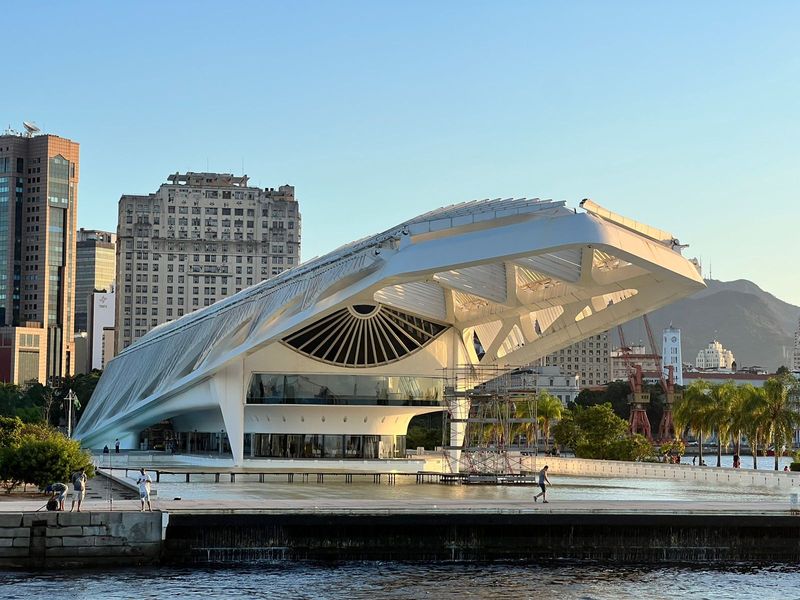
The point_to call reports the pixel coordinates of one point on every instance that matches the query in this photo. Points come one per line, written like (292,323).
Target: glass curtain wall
(281,445)
(362,390)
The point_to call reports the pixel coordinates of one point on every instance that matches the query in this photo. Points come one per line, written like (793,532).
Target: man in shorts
(542,481)
(59,493)
(144,482)
(78,489)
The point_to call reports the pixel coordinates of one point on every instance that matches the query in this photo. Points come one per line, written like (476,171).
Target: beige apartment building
(96,268)
(38,210)
(200,238)
(589,359)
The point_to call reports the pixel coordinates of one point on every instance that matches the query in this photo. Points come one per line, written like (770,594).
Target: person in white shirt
(144,482)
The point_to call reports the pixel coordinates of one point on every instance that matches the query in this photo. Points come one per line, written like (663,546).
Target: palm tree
(691,411)
(739,417)
(719,412)
(548,407)
(753,420)
(524,411)
(780,413)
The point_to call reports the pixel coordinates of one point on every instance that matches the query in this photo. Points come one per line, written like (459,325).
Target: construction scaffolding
(498,417)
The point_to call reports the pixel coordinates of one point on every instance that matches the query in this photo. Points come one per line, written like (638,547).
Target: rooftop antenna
(31,128)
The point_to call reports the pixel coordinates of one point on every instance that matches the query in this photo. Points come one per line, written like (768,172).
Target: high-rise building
(200,238)
(38,210)
(671,354)
(96,268)
(589,359)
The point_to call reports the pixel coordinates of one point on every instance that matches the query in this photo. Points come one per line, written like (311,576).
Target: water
(372,581)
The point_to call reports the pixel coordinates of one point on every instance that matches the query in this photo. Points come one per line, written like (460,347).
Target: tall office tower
(96,268)
(589,359)
(38,210)
(671,353)
(200,238)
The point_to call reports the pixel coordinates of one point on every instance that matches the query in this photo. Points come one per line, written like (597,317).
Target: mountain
(753,324)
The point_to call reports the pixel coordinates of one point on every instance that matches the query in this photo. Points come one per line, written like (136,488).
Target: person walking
(543,483)
(78,488)
(144,482)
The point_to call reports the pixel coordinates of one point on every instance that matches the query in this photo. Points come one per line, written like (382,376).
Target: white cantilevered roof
(508,272)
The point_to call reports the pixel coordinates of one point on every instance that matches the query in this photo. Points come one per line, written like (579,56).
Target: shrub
(39,455)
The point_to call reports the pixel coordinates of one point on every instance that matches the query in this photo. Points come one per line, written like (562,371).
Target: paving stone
(51,518)
(10,519)
(109,540)
(64,531)
(77,541)
(74,518)
(11,532)
(54,541)
(95,530)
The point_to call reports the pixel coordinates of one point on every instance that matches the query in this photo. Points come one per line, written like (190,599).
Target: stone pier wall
(64,539)
(632,538)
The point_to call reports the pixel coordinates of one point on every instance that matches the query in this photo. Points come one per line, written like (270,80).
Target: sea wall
(80,539)
(539,537)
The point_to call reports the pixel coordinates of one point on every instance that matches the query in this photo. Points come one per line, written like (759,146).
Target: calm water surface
(410,581)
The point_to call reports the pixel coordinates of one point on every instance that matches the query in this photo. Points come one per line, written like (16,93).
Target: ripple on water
(373,580)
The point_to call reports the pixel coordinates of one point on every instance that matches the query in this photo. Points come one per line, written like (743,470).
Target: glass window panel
(333,446)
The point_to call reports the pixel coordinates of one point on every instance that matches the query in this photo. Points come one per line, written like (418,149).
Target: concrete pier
(49,540)
(204,532)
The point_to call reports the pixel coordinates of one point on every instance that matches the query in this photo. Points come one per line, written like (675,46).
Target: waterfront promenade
(366,506)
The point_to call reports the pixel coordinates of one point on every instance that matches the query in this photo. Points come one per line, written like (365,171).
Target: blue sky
(683,115)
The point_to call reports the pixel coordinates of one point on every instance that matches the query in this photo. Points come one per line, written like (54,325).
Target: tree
(779,413)
(39,455)
(740,416)
(548,408)
(718,412)
(691,412)
(566,432)
(596,432)
(524,410)
(754,417)
(616,394)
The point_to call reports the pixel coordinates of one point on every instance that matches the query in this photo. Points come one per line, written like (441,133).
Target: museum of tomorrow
(333,358)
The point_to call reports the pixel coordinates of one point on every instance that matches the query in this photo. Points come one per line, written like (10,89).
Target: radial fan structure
(364,335)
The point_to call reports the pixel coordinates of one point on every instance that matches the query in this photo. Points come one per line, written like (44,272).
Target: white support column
(228,387)
(459,409)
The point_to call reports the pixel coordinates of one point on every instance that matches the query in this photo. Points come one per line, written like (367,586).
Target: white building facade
(715,357)
(101,316)
(671,353)
(332,359)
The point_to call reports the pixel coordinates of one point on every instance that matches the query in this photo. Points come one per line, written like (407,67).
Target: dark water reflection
(409,581)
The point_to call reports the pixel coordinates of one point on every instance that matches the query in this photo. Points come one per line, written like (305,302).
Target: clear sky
(683,115)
